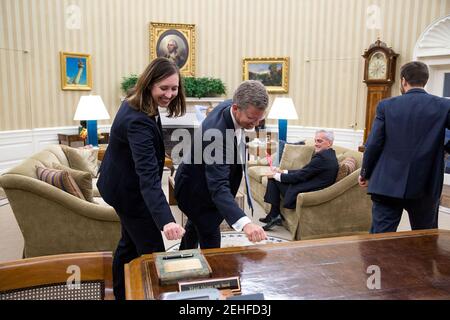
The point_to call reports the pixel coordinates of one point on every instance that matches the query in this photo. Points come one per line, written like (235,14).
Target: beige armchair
(51,220)
(342,209)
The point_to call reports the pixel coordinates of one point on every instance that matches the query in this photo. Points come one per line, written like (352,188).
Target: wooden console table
(413,265)
(71,140)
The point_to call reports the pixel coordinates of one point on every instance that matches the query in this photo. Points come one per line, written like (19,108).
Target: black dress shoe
(274,222)
(266,219)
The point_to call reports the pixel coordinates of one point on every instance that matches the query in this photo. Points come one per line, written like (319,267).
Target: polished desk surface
(413,265)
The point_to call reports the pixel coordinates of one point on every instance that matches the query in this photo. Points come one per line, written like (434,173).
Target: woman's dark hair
(415,73)
(140,96)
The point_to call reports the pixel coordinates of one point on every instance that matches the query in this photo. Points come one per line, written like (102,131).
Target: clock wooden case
(379,75)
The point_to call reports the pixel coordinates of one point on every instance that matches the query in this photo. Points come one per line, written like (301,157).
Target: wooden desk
(413,264)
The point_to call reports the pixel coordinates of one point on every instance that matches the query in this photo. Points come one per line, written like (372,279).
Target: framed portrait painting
(176,42)
(272,72)
(76,71)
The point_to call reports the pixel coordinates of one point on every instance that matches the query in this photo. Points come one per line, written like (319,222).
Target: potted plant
(128,82)
(203,87)
(194,87)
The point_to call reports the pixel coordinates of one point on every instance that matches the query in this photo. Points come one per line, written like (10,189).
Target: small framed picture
(175,42)
(76,71)
(272,72)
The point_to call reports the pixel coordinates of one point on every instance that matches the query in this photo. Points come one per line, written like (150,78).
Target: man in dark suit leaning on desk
(205,189)
(319,173)
(404,155)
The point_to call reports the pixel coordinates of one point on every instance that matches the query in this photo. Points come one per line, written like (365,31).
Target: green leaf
(203,87)
(128,82)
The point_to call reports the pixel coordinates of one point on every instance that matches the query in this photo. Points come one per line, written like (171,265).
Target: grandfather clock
(379,75)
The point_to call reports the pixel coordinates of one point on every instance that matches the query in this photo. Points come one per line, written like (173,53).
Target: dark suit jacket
(206,192)
(319,173)
(131,171)
(404,156)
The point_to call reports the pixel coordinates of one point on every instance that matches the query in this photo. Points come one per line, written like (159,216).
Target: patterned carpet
(236,239)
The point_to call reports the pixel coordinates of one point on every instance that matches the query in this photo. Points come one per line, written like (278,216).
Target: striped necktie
(243,151)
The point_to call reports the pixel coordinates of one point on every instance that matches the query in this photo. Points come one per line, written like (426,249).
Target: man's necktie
(243,153)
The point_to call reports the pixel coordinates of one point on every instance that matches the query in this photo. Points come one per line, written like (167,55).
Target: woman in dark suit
(131,171)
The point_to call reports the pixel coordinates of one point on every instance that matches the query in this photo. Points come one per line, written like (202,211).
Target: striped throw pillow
(60,179)
(346,166)
(82,179)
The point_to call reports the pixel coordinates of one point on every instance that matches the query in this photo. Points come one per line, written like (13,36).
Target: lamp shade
(283,108)
(91,108)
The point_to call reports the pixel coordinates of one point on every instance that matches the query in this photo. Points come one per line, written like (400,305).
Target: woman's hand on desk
(173,231)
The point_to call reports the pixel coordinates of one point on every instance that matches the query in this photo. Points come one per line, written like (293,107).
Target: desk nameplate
(232,284)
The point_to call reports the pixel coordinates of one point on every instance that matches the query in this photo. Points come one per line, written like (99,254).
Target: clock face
(377,67)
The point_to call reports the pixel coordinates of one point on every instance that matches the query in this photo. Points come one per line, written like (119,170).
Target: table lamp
(282,109)
(91,108)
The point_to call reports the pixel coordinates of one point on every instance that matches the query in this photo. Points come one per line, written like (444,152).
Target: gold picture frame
(273,72)
(76,71)
(175,41)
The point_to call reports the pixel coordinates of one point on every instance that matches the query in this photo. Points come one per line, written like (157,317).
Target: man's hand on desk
(173,231)
(254,232)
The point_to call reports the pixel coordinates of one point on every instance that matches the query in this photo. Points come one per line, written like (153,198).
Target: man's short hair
(251,92)
(329,135)
(415,73)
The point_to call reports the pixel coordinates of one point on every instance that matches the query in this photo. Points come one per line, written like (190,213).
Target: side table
(71,140)
(101,151)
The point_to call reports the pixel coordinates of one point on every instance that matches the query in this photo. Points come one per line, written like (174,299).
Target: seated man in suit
(319,173)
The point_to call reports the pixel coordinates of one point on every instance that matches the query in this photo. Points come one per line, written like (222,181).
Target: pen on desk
(179,256)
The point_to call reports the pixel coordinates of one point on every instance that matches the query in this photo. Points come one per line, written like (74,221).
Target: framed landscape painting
(175,42)
(272,72)
(76,72)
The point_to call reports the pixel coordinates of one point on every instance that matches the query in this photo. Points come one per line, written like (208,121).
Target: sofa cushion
(60,179)
(346,166)
(84,159)
(95,192)
(296,156)
(283,143)
(82,178)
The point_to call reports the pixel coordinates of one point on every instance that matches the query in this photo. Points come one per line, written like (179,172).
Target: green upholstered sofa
(342,209)
(53,221)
